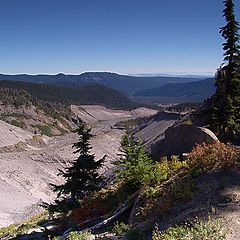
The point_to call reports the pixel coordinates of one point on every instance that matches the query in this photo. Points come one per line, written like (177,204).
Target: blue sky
(124,36)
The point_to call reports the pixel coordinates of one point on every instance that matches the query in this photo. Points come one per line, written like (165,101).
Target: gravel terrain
(25,174)
(10,135)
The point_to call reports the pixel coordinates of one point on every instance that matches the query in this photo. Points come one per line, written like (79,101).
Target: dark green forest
(94,94)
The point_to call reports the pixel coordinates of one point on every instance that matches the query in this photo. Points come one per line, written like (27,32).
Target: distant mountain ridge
(182,75)
(123,83)
(191,91)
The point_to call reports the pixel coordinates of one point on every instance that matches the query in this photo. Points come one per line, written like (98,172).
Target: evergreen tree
(134,164)
(81,178)
(225,118)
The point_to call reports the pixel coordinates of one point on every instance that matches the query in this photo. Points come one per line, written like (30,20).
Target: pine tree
(81,178)
(134,164)
(225,118)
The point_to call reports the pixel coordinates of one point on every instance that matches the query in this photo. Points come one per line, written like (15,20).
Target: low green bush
(120,228)
(196,230)
(45,130)
(18,123)
(78,235)
(17,229)
(161,172)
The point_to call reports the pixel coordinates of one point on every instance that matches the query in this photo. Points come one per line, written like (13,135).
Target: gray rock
(181,139)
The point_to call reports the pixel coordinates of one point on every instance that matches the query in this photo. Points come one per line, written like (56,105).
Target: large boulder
(181,139)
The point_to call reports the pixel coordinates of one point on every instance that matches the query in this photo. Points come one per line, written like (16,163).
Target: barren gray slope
(94,113)
(25,175)
(10,134)
(154,130)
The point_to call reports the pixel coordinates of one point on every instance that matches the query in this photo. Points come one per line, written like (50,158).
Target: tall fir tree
(225,114)
(81,178)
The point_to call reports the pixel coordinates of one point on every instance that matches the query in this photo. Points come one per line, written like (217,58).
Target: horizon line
(128,74)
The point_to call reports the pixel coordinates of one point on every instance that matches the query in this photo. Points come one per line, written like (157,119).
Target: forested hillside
(95,94)
(191,91)
(123,83)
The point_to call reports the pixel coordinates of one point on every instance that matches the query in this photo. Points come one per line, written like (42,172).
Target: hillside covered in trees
(196,91)
(94,94)
(123,83)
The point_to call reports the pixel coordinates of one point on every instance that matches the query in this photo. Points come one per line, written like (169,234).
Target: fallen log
(133,211)
(111,219)
(116,215)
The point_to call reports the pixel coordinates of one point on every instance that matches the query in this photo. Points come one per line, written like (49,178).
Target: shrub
(160,173)
(167,168)
(17,229)
(172,233)
(78,236)
(210,229)
(18,123)
(38,139)
(183,189)
(206,157)
(197,230)
(189,122)
(120,228)
(61,130)
(182,184)
(45,130)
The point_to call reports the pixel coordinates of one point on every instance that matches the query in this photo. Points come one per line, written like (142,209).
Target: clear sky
(124,36)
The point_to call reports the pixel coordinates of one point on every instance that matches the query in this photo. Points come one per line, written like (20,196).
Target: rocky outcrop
(182,138)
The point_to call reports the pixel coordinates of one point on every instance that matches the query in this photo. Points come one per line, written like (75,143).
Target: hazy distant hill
(123,83)
(96,94)
(191,91)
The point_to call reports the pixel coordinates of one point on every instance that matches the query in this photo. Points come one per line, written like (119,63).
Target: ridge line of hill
(123,83)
